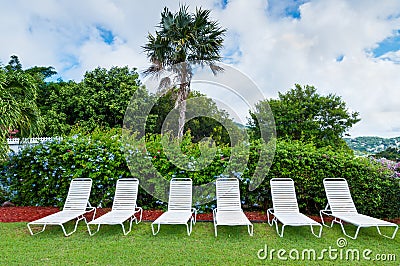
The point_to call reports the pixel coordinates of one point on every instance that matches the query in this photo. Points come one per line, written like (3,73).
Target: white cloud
(278,52)
(391,56)
(275,51)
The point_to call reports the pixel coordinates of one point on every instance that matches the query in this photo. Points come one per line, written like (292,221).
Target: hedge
(40,175)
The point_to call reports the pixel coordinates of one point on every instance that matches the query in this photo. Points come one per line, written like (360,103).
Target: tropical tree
(183,40)
(200,127)
(18,108)
(99,100)
(303,114)
(14,64)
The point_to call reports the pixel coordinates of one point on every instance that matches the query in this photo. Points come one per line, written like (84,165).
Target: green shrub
(375,189)
(3,195)
(40,175)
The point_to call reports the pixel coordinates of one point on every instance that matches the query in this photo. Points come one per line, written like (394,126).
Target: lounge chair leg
(152,229)
(75,227)
(65,233)
(250,229)
(130,223)
(123,228)
(215,230)
(320,231)
(391,237)
(90,232)
(88,229)
(187,228)
(335,220)
(344,232)
(277,229)
(32,233)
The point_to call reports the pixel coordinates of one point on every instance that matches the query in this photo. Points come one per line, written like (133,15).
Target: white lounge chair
(76,205)
(180,209)
(341,207)
(285,208)
(124,207)
(229,210)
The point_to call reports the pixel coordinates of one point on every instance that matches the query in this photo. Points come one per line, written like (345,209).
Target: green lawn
(172,246)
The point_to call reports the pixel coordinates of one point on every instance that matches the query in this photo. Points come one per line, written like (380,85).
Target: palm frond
(164,84)
(184,37)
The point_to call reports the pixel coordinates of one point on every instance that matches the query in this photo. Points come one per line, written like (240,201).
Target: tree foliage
(303,114)
(18,108)
(390,153)
(200,127)
(99,100)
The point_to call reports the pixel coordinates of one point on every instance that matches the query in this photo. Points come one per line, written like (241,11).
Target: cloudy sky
(347,47)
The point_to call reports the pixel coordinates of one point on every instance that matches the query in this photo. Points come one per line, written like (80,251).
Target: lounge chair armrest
(270,211)
(327,208)
(140,210)
(90,208)
(215,213)
(326,212)
(194,213)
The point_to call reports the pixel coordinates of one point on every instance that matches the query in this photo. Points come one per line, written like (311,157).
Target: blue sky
(389,44)
(347,47)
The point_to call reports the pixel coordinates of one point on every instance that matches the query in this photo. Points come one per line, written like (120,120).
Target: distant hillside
(372,145)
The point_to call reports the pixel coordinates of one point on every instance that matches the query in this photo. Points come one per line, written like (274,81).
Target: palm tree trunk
(183,94)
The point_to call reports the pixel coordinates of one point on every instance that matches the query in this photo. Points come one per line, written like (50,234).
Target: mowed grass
(172,246)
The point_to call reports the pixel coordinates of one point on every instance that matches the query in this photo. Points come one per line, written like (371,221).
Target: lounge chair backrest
(125,194)
(339,197)
(283,195)
(78,194)
(180,194)
(228,194)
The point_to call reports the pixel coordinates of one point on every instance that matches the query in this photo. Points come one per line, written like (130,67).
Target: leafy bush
(3,195)
(40,175)
(375,188)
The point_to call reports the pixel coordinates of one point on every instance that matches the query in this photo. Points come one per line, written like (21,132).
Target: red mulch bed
(28,214)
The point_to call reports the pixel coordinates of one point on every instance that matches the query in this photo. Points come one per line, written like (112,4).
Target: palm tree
(183,40)
(18,109)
